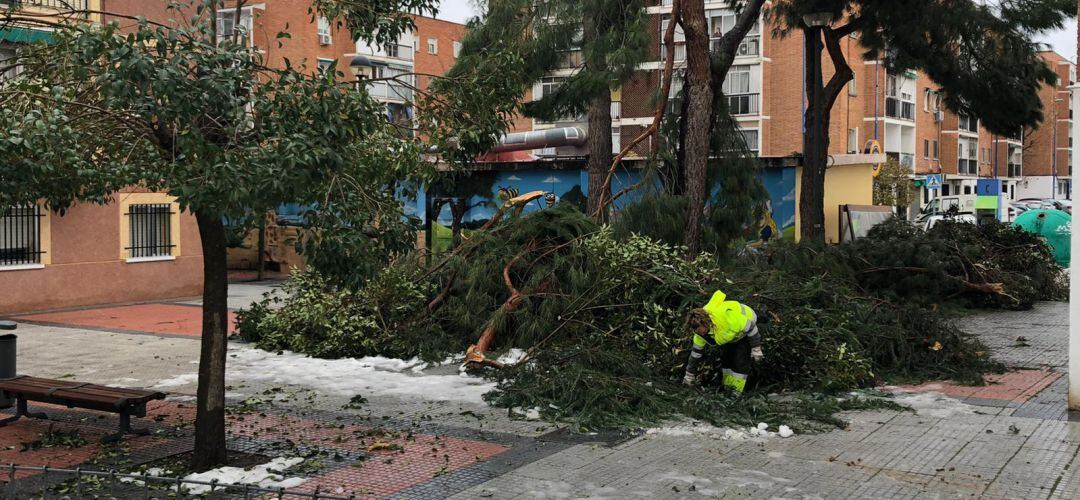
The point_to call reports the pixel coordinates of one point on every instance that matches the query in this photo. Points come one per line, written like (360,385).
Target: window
(967,189)
(967,157)
(432,45)
(616,140)
(457,49)
(7,55)
(926,148)
(20,236)
(853,87)
(150,231)
(721,22)
(853,140)
(936,150)
(752,138)
(547,86)
(968,123)
(326,66)
(325,36)
(738,87)
(227,27)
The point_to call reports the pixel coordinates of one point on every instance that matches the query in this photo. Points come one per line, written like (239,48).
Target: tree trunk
(815,145)
(457,212)
(261,259)
(210,413)
(699,119)
(599,145)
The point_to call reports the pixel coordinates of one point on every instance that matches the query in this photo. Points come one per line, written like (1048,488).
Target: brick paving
(1009,439)
(157,319)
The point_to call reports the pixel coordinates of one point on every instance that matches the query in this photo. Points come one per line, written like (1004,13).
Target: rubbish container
(7,359)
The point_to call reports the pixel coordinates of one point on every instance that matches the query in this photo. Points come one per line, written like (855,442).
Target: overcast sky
(1063,41)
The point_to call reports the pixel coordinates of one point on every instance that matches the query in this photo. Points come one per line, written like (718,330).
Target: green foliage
(893,186)
(982,53)
(602,317)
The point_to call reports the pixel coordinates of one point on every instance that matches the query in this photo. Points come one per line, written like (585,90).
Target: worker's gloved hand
(757,354)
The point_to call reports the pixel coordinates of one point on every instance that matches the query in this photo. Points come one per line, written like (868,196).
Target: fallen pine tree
(601,319)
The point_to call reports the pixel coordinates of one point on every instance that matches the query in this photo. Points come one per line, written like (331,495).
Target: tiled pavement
(1007,440)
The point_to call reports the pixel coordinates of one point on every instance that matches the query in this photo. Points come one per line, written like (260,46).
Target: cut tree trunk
(457,214)
(815,145)
(699,118)
(599,153)
(210,449)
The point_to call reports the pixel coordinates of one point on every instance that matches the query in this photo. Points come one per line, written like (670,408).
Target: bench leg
(21,410)
(125,428)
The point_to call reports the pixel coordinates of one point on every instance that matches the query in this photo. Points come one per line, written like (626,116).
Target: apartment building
(1048,148)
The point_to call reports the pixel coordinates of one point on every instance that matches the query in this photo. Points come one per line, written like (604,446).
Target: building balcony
(616,110)
(744,104)
(398,51)
(60,5)
(680,51)
(572,59)
(900,110)
(750,46)
(389,91)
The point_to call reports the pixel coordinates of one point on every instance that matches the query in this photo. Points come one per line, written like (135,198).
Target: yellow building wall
(844,185)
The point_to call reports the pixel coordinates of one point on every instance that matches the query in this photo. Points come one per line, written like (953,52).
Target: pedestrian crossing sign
(933,182)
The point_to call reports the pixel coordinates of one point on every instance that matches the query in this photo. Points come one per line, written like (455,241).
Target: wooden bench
(126,402)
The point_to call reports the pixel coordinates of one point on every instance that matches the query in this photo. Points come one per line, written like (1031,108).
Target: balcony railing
(680,51)
(1015,170)
(901,110)
(572,59)
(744,104)
(616,110)
(53,4)
(967,167)
(398,51)
(389,90)
(750,46)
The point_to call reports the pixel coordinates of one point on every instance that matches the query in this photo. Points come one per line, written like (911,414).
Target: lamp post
(814,153)
(1054,148)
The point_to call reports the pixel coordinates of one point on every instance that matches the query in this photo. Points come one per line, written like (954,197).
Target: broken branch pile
(602,318)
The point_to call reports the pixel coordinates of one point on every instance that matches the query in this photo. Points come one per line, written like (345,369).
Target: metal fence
(20,236)
(55,4)
(142,486)
(151,230)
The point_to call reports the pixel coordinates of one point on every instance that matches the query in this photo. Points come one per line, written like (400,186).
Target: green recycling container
(1053,226)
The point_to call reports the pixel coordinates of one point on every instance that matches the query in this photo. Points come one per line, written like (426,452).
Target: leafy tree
(892,186)
(604,41)
(981,53)
(170,109)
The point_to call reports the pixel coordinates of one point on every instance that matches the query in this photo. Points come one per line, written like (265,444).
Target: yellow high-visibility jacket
(731,321)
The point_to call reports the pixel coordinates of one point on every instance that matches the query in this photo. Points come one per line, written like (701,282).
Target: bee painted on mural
(507,193)
(550,199)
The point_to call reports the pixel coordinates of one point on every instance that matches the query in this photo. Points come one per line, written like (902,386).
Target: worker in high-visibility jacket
(733,327)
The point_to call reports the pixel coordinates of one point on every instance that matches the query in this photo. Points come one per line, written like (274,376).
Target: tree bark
(815,145)
(699,119)
(210,449)
(457,214)
(599,144)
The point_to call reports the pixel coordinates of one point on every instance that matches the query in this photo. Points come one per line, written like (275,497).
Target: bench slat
(66,392)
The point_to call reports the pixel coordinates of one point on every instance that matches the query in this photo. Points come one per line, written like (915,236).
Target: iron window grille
(20,236)
(150,231)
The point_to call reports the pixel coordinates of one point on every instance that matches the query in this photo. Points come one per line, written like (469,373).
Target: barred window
(151,231)
(20,236)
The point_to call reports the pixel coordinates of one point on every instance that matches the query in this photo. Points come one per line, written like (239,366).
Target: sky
(1063,41)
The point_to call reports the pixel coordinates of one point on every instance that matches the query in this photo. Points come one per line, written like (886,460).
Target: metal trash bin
(7,358)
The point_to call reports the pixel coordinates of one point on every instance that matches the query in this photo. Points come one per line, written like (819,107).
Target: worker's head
(699,322)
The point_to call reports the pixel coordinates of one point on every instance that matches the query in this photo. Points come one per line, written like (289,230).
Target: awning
(25,35)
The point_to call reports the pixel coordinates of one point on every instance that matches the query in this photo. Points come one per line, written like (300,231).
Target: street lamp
(818,19)
(1054,147)
(361,67)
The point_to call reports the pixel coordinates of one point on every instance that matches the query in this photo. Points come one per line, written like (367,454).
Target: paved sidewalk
(1007,440)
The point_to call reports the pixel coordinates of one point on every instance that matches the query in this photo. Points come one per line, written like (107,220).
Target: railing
(20,236)
(150,230)
(399,51)
(572,59)
(53,4)
(89,483)
(1015,170)
(680,51)
(390,90)
(967,167)
(749,47)
(902,110)
(616,110)
(744,104)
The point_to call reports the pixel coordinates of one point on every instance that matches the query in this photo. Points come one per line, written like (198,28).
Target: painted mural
(776,218)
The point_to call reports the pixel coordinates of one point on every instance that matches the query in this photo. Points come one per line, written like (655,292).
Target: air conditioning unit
(325,39)
(939,116)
